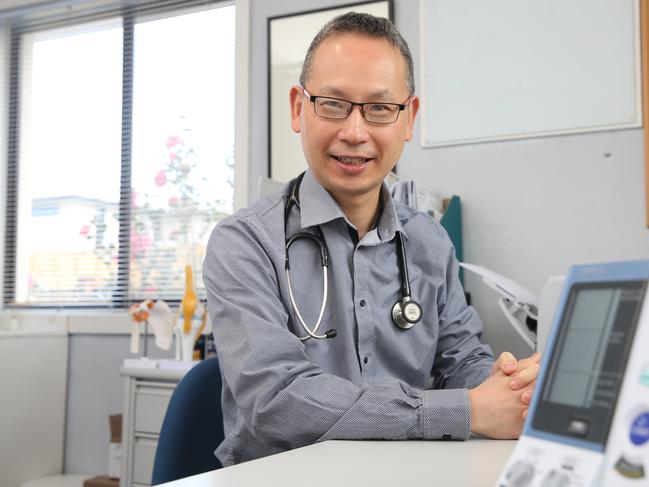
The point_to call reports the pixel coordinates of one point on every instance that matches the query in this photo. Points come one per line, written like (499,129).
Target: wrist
(474,411)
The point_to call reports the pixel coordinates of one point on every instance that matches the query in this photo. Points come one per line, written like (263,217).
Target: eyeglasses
(338,109)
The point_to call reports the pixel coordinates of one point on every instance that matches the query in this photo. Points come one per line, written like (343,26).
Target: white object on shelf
(176,364)
(516,302)
(150,364)
(548,302)
(114,459)
(141,363)
(185,341)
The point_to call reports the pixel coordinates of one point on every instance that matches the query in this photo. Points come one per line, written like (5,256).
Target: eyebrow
(335,92)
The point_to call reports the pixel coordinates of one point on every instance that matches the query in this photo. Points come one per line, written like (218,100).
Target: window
(121,137)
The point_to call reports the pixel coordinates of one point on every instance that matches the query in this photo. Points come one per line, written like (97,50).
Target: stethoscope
(405,313)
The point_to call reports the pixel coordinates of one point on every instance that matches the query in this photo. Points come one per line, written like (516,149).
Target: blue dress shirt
(374,380)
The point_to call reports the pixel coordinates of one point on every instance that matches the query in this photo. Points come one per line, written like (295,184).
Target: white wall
(531,208)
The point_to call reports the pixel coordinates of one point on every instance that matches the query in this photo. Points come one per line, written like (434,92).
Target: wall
(95,391)
(531,207)
(33,373)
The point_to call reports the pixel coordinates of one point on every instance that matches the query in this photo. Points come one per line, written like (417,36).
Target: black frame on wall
(305,14)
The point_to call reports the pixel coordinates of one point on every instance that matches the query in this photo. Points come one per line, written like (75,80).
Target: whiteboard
(508,69)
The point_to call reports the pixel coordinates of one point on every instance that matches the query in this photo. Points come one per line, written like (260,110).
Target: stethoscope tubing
(405,313)
(311,333)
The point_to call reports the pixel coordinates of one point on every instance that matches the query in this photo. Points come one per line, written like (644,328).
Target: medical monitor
(587,352)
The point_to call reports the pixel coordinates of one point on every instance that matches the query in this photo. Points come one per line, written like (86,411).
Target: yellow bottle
(189,301)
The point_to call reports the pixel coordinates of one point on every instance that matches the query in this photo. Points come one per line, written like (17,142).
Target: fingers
(506,363)
(526,399)
(527,374)
(527,370)
(535,358)
(497,411)
(525,377)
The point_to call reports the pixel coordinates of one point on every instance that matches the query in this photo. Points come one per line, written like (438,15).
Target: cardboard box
(115,446)
(115,421)
(101,481)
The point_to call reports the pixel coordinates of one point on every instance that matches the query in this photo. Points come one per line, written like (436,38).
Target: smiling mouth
(352,161)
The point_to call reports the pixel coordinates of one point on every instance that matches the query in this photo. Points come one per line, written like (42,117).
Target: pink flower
(172,156)
(140,243)
(161,178)
(173,201)
(173,141)
(85,231)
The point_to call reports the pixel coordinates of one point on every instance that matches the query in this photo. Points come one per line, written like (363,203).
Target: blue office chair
(192,427)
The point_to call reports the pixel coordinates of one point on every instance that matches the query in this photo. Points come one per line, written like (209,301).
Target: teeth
(356,161)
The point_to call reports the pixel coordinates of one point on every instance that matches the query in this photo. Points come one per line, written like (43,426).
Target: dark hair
(365,24)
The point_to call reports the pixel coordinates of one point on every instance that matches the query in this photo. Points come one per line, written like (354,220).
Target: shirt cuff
(446,414)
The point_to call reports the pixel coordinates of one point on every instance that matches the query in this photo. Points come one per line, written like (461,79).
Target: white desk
(474,463)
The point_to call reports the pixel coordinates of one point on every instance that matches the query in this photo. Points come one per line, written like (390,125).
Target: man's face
(351,157)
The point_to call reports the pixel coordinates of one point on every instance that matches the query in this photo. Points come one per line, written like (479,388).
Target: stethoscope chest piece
(406,313)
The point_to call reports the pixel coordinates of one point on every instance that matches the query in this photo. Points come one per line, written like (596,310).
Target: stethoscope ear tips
(331,333)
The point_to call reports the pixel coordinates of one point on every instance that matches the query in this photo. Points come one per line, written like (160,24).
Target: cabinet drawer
(150,408)
(143,457)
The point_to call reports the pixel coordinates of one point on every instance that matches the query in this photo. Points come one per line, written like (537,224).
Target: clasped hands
(499,405)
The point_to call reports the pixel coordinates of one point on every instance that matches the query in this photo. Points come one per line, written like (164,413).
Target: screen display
(587,336)
(588,359)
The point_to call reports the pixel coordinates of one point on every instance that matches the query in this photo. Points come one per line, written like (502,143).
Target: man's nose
(354,129)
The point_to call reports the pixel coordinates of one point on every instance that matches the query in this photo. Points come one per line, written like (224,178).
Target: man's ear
(413,108)
(295,99)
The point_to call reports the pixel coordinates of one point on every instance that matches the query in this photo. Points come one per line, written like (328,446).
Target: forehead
(360,58)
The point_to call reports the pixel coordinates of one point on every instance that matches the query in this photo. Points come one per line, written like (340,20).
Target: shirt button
(362,303)
(365,360)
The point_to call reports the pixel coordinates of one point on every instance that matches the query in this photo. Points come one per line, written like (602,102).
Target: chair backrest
(192,427)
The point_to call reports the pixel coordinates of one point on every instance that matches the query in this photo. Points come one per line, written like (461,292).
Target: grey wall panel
(95,391)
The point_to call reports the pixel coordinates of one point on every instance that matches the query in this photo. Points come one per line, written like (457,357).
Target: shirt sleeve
(462,361)
(286,400)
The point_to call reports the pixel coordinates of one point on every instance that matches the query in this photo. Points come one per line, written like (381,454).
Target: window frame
(130,16)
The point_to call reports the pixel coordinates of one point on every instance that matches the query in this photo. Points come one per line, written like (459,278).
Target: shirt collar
(317,207)
(389,223)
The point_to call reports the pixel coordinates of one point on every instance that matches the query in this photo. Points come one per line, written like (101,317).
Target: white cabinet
(146,397)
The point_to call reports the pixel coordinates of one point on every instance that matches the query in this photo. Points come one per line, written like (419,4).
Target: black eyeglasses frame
(312,98)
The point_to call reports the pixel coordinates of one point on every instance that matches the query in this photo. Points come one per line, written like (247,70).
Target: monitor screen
(588,359)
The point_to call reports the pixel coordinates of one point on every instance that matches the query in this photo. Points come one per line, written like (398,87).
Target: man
(427,378)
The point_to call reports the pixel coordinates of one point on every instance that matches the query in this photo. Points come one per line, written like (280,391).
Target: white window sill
(83,322)
(73,322)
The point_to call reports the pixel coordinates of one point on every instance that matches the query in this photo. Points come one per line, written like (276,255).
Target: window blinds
(120,148)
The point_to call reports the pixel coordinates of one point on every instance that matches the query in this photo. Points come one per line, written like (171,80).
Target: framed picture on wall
(289,37)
